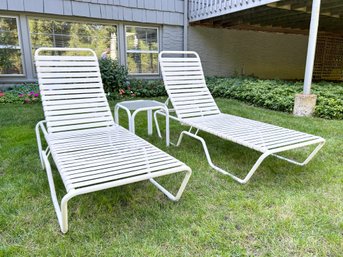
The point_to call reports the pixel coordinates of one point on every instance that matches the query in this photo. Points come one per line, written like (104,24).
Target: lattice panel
(329,58)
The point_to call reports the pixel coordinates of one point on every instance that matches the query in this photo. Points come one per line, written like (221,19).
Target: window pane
(74,34)
(10,52)
(141,39)
(142,63)
(142,50)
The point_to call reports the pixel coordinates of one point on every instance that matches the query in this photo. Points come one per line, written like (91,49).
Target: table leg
(116,114)
(167,127)
(132,124)
(149,113)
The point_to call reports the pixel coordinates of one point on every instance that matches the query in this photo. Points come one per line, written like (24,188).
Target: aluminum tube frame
(320,143)
(62,210)
(40,126)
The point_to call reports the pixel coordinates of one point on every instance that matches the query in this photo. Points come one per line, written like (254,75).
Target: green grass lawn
(284,210)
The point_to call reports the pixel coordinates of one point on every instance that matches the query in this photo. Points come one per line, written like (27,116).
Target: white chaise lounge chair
(195,107)
(90,151)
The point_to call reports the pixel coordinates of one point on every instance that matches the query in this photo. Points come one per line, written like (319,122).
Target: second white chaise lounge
(195,107)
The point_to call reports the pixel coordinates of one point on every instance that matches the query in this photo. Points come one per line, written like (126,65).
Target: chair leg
(181,189)
(308,158)
(64,211)
(168,141)
(257,163)
(209,160)
(61,212)
(157,125)
(39,144)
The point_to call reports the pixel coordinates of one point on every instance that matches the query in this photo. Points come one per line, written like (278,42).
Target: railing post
(201,7)
(204,9)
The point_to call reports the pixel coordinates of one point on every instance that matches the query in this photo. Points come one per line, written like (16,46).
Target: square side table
(142,105)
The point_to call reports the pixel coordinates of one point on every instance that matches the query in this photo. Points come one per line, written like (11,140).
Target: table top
(137,104)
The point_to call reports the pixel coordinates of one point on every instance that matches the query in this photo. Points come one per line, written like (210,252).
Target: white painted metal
(185,25)
(90,151)
(311,49)
(205,9)
(149,118)
(195,107)
(143,105)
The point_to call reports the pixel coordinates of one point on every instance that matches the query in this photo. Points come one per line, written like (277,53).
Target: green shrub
(116,83)
(278,94)
(271,94)
(329,108)
(24,93)
(143,88)
(114,76)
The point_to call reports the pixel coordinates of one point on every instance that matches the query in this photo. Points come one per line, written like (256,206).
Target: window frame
(84,20)
(143,51)
(23,74)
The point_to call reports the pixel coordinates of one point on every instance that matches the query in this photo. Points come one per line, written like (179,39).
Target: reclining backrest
(185,84)
(71,88)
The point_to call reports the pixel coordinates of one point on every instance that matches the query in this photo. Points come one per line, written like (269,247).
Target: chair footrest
(253,134)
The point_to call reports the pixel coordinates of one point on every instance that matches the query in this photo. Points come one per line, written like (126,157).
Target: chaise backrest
(71,88)
(185,84)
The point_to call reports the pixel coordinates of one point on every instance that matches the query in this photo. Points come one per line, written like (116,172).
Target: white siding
(147,11)
(172,38)
(165,14)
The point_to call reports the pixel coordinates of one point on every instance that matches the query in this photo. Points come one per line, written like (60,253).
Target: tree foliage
(98,37)
(10,56)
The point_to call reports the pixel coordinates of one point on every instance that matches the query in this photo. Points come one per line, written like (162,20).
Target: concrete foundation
(304,105)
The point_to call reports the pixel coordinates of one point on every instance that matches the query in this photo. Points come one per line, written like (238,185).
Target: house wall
(172,38)
(167,15)
(168,12)
(224,52)
(266,55)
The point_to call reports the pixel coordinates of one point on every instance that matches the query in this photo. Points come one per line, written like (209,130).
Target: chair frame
(61,209)
(319,142)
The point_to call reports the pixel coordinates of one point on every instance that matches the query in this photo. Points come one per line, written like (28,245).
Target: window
(53,33)
(142,50)
(10,51)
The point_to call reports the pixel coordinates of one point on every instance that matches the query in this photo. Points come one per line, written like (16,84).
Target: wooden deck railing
(204,9)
